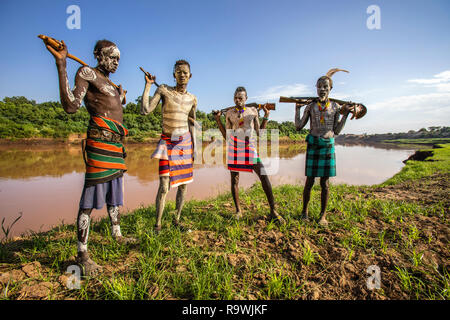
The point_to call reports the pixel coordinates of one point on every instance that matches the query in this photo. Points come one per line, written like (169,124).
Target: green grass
(440,163)
(253,258)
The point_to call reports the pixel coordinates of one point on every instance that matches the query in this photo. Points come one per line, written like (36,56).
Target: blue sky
(401,72)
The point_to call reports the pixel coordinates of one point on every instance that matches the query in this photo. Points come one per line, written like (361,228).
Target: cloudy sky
(400,71)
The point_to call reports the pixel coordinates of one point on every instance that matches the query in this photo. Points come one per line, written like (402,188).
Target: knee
(324,183)
(309,182)
(164,186)
(234,178)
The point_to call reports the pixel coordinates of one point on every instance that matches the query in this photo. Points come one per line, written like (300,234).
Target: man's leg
(83,223)
(267,187)
(114,215)
(161,200)
(306,196)
(235,192)
(181,195)
(324,185)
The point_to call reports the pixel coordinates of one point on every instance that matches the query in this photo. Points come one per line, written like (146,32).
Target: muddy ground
(333,276)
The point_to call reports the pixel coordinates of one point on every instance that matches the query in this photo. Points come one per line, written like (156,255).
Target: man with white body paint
(103,150)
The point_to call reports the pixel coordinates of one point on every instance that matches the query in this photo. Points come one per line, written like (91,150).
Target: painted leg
(90,268)
(267,187)
(181,195)
(324,184)
(235,192)
(306,196)
(114,215)
(161,200)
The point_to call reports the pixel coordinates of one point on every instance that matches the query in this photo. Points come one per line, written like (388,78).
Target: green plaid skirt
(320,157)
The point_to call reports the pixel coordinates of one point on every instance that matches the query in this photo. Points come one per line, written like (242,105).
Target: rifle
(58,46)
(258,106)
(358,111)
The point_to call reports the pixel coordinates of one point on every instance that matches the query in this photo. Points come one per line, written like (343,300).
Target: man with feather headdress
(325,123)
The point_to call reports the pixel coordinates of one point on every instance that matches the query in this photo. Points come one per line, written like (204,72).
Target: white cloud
(429,102)
(274,93)
(440,81)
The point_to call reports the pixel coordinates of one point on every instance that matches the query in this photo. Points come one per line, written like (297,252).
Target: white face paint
(109,58)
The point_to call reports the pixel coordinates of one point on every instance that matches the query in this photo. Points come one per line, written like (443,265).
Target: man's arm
(70,100)
(220,124)
(147,106)
(192,128)
(265,118)
(300,123)
(339,124)
(256,123)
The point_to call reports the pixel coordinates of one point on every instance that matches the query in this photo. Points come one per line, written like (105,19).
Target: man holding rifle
(323,115)
(241,121)
(103,149)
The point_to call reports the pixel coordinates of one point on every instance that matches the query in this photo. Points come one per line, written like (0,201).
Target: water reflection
(45,182)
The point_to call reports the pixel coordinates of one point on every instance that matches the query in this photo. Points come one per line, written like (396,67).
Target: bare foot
(126,240)
(180,225)
(275,216)
(323,222)
(157,229)
(89,267)
(305,216)
(238,215)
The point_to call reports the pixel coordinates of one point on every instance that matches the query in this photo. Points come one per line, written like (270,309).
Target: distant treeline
(23,118)
(430,134)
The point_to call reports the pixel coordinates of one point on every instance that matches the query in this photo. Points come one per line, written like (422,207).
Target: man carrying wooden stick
(103,149)
(241,121)
(176,148)
(320,154)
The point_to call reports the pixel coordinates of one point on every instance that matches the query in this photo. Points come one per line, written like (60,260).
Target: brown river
(45,182)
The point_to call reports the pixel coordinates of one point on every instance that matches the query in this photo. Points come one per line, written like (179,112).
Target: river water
(45,182)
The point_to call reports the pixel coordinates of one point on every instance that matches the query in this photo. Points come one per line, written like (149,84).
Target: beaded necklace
(241,116)
(322,110)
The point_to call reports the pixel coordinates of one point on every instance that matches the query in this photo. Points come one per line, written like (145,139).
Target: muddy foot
(181,226)
(323,222)
(126,240)
(89,267)
(305,216)
(157,229)
(275,216)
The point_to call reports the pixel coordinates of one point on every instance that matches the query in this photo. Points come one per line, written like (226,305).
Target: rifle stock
(258,106)
(359,112)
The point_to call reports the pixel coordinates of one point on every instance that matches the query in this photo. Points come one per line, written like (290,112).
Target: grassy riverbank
(401,226)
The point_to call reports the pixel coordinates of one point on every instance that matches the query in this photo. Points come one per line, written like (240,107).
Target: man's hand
(347,108)
(266,111)
(149,79)
(217,115)
(123,93)
(60,56)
